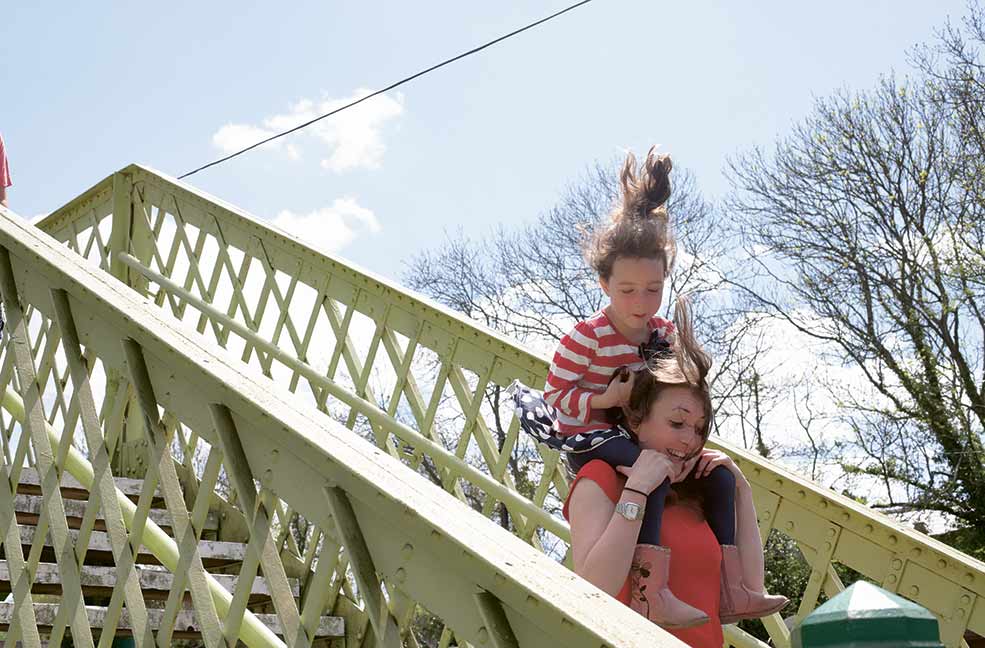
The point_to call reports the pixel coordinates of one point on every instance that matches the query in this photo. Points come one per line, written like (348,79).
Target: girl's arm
(573,357)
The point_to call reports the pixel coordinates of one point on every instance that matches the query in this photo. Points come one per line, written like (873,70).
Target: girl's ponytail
(645,193)
(640,225)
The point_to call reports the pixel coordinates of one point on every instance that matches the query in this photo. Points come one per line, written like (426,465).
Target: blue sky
(90,87)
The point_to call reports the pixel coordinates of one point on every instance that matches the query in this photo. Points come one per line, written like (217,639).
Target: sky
(91,87)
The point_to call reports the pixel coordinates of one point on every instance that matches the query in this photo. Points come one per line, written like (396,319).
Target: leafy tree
(864,229)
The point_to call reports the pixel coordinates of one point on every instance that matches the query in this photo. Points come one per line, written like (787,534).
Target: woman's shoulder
(604,475)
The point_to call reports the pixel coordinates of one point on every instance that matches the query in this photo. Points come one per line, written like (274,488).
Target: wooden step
(214,553)
(155,581)
(186,625)
(29,483)
(28,508)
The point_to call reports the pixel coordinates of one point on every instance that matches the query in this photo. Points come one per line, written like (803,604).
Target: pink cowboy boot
(738,601)
(649,595)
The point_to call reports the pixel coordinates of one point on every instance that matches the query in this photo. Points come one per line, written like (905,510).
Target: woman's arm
(747,537)
(602,541)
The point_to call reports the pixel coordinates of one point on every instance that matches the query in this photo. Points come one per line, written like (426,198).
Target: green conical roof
(867,615)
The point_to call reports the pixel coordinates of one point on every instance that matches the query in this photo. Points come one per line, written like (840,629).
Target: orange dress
(696,557)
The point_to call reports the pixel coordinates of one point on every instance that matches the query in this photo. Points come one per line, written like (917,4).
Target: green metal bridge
(212,433)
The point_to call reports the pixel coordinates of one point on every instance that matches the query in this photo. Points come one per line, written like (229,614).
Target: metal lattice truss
(135,451)
(420,382)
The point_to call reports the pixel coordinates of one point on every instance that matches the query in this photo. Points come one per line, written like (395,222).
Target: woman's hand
(649,471)
(682,469)
(708,460)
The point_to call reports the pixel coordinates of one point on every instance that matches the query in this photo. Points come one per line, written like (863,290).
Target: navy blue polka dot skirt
(539,420)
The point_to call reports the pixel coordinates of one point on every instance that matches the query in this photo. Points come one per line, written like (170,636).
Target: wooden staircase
(99,573)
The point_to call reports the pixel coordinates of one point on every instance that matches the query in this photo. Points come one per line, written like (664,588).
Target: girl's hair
(640,226)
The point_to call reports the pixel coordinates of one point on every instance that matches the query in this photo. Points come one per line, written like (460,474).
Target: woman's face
(674,425)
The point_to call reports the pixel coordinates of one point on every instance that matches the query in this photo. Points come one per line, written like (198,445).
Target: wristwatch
(630,510)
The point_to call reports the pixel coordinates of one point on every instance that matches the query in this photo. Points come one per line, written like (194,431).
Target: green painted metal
(186,396)
(867,616)
(153,537)
(421,383)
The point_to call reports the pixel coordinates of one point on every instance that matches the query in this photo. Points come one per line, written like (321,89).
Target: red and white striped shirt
(584,362)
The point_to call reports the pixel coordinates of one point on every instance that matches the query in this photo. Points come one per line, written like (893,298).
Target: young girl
(591,375)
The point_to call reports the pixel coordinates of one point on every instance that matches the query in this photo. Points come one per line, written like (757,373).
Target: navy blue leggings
(718,490)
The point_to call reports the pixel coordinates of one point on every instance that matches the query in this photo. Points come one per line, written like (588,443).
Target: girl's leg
(623,452)
(718,490)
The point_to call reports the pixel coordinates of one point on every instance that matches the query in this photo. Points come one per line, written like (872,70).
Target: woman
(669,412)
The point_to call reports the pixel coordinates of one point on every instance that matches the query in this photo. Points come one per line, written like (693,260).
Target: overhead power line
(388,88)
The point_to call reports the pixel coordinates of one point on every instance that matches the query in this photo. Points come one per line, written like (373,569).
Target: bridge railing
(87,360)
(425,384)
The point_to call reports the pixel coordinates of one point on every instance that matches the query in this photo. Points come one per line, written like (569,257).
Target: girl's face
(635,289)
(674,424)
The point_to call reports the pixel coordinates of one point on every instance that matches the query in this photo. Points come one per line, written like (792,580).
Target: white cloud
(354,137)
(233,137)
(330,228)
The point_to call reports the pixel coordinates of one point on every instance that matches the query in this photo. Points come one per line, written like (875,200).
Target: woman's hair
(686,365)
(640,226)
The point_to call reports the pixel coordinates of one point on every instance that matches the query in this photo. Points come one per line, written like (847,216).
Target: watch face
(630,510)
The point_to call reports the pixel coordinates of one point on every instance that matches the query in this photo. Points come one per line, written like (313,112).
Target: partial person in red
(4,173)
